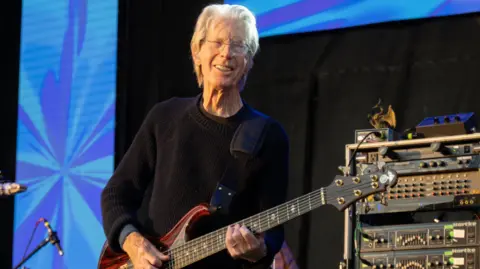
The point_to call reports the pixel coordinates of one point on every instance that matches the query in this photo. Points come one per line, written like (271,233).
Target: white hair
(224,11)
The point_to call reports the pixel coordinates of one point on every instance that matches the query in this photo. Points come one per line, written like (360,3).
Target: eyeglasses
(236,48)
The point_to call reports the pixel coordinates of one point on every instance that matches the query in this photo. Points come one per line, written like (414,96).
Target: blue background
(275,17)
(66,120)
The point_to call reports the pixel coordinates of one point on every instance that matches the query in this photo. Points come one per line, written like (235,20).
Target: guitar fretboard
(211,243)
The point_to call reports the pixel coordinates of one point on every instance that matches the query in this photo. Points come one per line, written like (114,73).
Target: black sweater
(174,163)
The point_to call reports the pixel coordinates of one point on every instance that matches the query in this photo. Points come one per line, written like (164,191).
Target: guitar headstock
(346,190)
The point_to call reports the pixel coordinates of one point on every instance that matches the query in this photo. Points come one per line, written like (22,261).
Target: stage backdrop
(277,17)
(66,117)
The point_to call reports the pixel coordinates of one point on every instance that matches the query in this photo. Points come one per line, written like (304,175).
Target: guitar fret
(268,220)
(322,195)
(204,246)
(260,228)
(286,209)
(278,218)
(298,208)
(209,244)
(255,226)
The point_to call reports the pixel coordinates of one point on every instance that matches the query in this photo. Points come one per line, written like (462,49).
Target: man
(182,151)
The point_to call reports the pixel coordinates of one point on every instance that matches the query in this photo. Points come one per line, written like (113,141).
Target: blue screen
(66,123)
(276,17)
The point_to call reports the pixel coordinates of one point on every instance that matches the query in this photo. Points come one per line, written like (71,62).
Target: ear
(195,56)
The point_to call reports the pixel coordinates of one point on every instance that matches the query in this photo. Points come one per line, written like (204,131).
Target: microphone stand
(51,238)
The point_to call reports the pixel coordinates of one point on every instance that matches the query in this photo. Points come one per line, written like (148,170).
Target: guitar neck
(211,243)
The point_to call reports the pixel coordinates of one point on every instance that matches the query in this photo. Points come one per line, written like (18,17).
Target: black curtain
(152,34)
(10,17)
(320,86)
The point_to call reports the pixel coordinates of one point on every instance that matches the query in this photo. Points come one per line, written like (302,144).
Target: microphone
(11,188)
(53,237)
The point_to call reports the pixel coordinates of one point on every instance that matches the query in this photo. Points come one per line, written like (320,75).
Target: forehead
(224,29)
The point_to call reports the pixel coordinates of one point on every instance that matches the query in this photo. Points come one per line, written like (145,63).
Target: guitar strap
(244,147)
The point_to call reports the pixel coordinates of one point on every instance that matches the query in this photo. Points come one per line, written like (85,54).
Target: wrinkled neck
(221,103)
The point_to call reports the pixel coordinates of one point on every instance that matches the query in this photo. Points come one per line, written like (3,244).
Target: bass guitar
(186,248)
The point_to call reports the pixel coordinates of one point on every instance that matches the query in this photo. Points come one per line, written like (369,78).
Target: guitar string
(220,242)
(272,210)
(219,238)
(186,260)
(282,212)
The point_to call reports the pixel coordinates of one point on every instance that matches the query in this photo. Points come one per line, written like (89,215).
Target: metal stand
(349,219)
(52,238)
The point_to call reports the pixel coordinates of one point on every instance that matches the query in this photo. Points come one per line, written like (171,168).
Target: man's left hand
(242,243)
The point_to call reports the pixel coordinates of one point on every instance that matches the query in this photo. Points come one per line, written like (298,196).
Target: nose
(226,50)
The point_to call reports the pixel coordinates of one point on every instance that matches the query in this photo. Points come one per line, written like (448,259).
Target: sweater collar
(213,122)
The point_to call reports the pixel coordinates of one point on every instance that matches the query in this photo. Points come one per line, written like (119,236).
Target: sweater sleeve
(123,193)
(273,188)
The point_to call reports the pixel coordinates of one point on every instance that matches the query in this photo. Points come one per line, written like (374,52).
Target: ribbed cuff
(115,231)
(128,229)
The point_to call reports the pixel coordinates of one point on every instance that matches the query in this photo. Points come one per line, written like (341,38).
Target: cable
(378,134)
(31,236)
(358,226)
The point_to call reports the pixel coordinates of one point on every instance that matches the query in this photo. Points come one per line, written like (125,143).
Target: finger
(151,259)
(228,237)
(240,244)
(154,256)
(260,236)
(153,250)
(248,237)
(145,264)
(229,241)
(234,252)
(162,256)
(237,235)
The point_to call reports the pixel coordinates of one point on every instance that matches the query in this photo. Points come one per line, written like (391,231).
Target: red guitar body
(180,233)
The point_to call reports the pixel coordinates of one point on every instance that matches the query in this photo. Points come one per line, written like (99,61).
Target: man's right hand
(142,253)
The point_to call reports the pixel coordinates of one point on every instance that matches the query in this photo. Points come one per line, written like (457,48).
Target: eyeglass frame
(234,46)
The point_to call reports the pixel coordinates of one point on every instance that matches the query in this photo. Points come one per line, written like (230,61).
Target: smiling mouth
(223,68)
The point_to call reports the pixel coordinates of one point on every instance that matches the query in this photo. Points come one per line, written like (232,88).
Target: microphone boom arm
(40,246)
(51,238)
